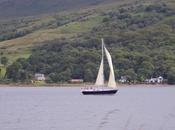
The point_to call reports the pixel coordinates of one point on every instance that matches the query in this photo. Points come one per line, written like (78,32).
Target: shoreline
(83,85)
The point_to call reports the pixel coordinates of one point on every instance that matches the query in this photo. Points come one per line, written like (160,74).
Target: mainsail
(100,77)
(111,82)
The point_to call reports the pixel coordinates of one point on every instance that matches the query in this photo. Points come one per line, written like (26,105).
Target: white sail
(100,77)
(111,82)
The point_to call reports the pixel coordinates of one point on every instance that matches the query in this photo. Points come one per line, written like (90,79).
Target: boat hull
(99,92)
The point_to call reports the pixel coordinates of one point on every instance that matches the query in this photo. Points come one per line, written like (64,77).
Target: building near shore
(76,81)
(123,79)
(39,77)
(159,79)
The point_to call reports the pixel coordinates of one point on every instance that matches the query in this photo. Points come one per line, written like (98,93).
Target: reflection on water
(67,109)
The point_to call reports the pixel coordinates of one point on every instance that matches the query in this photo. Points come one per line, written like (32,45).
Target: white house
(123,79)
(155,80)
(160,79)
(40,77)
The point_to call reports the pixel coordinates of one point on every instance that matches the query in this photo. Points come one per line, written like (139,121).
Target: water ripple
(106,118)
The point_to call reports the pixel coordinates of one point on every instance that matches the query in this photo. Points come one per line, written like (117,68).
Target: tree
(171,76)
(89,75)
(18,71)
(131,75)
(0,71)
(13,71)
(60,77)
(144,70)
(106,19)
(4,60)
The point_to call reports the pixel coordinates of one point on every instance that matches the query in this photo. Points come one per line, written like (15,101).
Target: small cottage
(155,80)
(76,81)
(40,77)
(123,79)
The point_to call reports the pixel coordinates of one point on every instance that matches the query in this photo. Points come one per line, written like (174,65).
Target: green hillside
(139,34)
(19,35)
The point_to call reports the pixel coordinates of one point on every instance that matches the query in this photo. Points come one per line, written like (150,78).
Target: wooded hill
(140,36)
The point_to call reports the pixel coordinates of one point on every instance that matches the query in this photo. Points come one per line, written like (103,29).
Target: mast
(100,76)
(102,48)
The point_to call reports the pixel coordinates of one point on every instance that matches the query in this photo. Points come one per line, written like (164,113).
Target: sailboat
(100,88)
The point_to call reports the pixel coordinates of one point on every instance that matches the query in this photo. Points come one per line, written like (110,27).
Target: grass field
(21,47)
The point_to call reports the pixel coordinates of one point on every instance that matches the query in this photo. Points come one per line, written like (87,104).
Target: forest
(140,37)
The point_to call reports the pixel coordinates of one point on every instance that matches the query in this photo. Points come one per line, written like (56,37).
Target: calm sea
(132,108)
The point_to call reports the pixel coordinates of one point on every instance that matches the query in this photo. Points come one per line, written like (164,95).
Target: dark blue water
(67,109)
